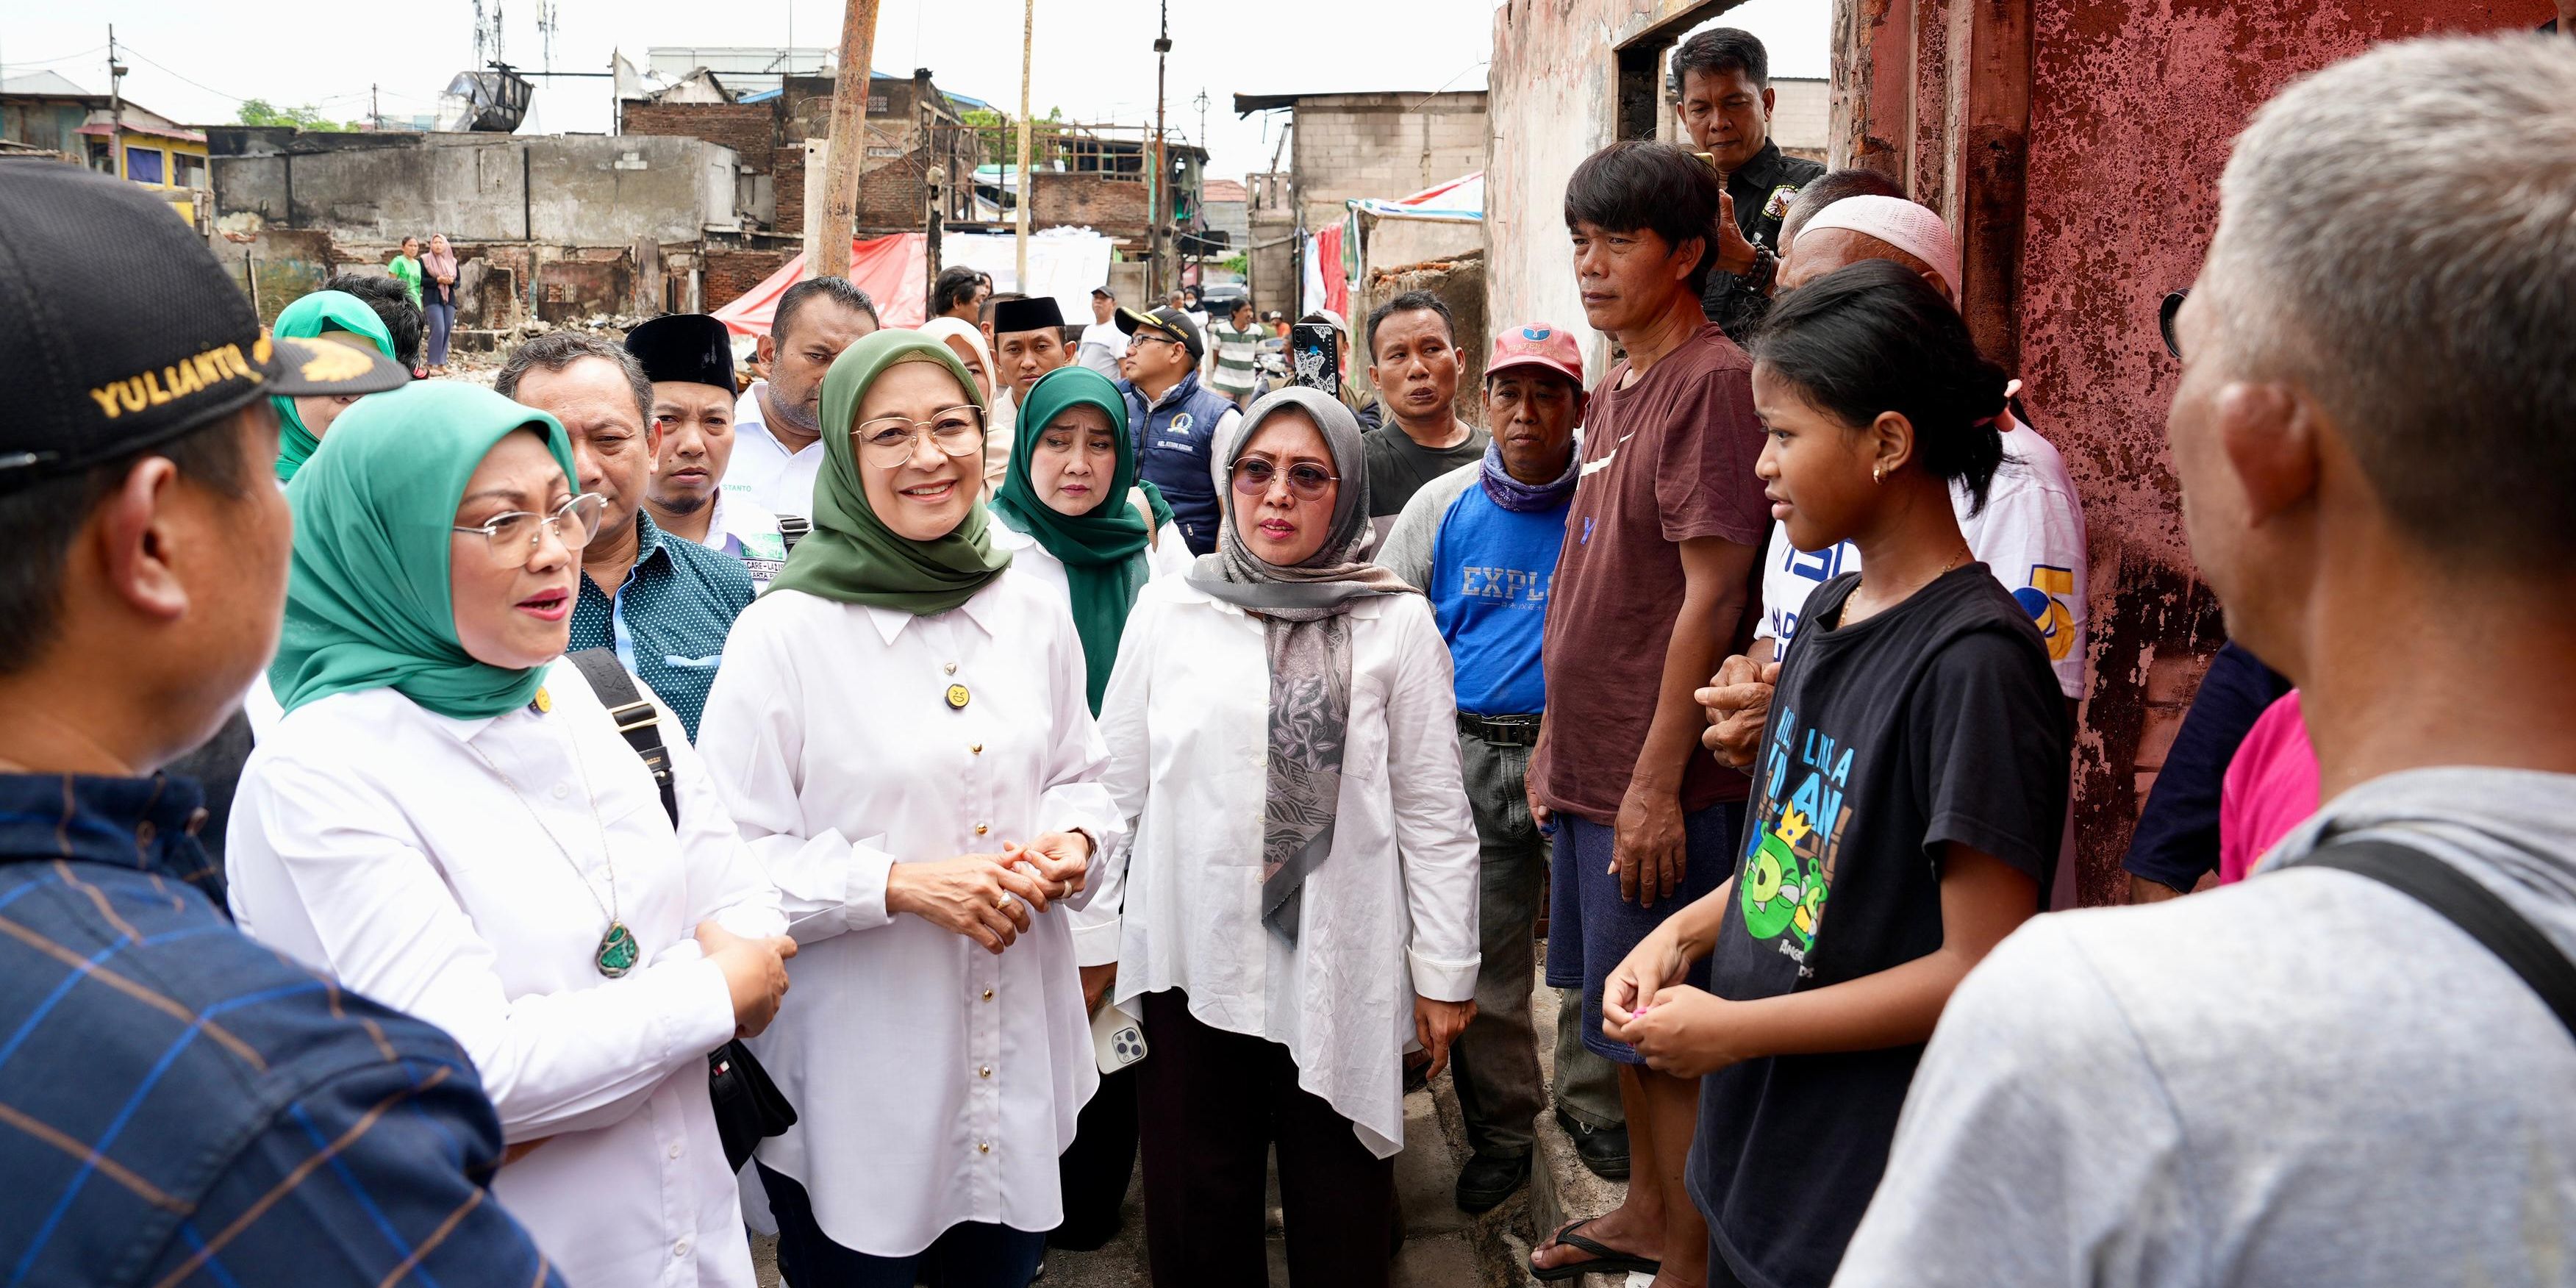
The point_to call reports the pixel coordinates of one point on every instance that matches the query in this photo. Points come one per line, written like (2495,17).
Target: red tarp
(1337,274)
(889,269)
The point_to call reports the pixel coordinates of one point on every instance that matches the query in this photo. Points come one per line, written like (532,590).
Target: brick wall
(891,191)
(729,273)
(1115,207)
(1382,145)
(788,184)
(750,129)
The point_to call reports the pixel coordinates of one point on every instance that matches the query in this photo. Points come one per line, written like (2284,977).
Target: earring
(1878,474)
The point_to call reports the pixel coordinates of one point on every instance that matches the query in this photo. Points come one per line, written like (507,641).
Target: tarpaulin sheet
(890,269)
(1461,200)
(1065,264)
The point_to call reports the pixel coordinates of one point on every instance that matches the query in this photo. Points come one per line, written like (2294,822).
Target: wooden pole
(1028,41)
(827,248)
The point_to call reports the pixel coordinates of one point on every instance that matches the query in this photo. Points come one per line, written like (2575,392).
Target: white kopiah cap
(1903,224)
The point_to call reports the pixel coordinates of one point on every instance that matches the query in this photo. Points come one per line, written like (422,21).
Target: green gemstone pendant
(617,950)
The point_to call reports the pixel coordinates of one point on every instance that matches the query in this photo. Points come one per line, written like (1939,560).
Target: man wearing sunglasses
(663,603)
(1176,420)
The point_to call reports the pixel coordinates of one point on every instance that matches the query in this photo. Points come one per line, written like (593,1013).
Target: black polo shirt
(1762,190)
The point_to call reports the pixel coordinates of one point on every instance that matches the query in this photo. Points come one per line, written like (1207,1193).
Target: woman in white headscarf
(1299,904)
(973,349)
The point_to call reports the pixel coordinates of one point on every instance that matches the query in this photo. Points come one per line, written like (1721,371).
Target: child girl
(1906,795)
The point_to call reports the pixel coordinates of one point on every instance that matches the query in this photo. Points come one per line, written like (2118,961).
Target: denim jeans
(1495,1061)
(441,319)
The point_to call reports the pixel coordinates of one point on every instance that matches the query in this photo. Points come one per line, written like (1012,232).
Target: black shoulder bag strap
(748,1106)
(637,720)
(2479,911)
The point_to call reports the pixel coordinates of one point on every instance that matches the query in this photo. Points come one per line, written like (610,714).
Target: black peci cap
(1168,322)
(1031,314)
(690,348)
(119,331)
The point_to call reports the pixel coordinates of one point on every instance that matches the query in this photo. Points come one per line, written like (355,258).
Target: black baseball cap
(684,348)
(1167,322)
(120,332)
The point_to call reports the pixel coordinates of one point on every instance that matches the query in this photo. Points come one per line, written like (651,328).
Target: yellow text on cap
(187,376)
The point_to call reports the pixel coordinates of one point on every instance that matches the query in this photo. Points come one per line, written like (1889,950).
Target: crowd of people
(882,802)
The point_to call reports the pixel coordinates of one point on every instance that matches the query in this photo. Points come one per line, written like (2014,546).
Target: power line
(62,58)
(128,47)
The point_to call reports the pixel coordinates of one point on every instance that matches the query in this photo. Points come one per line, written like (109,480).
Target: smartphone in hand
(1315,356)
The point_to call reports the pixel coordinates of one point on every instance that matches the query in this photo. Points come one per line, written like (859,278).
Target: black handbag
(749,1107)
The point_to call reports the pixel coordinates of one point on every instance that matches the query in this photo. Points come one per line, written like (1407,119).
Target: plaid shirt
(179,1105)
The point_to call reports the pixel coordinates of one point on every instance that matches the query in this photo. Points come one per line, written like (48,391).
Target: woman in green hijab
(1075,512)
(448,818)
(902,730)
(303,421)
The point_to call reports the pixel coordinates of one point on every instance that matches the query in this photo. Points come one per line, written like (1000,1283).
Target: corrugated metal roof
(46,85)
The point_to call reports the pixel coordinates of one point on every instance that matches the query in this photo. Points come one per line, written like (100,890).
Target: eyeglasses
(1141,337)
(888,441)
(515,537)
(2165,320)
(1306,480)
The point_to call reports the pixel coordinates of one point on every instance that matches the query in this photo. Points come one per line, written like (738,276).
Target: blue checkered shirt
(669,621)
(179,1105)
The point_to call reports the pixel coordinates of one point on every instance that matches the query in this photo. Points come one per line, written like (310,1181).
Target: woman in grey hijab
(1299,906)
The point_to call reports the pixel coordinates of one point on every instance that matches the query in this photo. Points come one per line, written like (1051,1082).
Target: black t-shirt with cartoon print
(1935,721)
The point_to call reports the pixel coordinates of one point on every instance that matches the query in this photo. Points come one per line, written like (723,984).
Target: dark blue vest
(1175,439)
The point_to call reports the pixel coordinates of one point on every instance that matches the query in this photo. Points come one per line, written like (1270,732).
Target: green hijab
(368,604)
(307,319)
(1103,551)
(851,555)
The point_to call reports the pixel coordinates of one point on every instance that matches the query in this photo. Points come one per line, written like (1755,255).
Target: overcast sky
(195,61)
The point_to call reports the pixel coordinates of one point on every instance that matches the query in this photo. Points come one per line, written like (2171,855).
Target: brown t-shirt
(1665,460)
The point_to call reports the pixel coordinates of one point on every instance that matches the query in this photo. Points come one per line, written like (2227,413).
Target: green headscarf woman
(402,580)
(303,421)
(895,524)
(1070,474)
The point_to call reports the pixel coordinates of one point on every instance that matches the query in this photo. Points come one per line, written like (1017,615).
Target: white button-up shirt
(1095,925)
(371,840)
(1390,913)
(780,480)
(934,1082)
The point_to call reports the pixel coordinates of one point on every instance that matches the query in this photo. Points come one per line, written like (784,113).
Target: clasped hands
(1680,1030)
(1738,701)
(989,897)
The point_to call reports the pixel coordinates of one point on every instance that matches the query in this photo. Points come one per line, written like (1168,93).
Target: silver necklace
(618,951)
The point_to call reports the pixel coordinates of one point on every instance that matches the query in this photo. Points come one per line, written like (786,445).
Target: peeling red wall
(2133,105)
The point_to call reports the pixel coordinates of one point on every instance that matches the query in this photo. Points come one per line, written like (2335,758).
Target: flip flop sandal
(1605,1259)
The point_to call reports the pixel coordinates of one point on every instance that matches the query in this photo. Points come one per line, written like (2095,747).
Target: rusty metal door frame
(1638,64)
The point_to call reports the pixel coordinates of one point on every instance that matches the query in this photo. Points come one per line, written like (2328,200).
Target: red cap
(1537,344)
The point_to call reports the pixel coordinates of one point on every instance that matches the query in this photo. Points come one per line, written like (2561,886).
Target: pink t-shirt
(2271,787)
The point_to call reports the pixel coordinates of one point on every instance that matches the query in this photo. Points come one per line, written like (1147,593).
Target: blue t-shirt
(1490,569)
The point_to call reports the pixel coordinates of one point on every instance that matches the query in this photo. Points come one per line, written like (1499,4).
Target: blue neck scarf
(1522,498)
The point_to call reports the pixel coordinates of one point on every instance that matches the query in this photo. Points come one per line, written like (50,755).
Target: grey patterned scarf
(1308,640)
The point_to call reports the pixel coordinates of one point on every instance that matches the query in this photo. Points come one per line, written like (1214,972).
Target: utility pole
(1158,200)
(1028,41)
(1199,256)
(115,105)
(828,255)
(375,112)
(934,183)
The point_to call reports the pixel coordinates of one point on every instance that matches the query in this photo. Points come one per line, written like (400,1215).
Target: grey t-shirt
(2306,1078)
